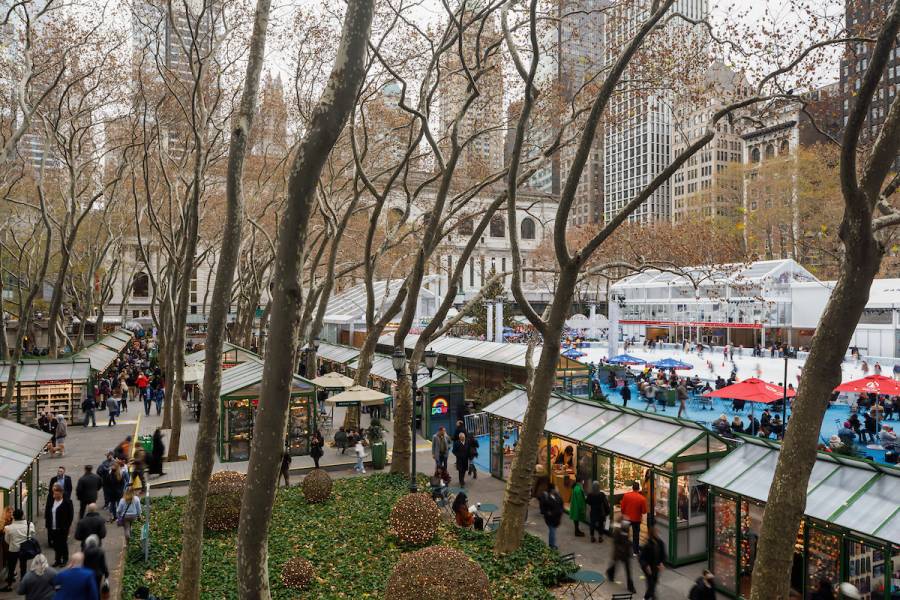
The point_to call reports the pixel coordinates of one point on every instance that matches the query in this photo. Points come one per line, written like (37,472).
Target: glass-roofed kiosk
(850,531)
(589,441)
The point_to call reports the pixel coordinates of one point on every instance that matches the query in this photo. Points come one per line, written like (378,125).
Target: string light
(415,519)
(297,573)
(223,501)
(316,486)
(436,573)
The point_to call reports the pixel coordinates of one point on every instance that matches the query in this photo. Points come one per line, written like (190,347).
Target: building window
(770,151)
(528,228)
(140,286)
(754,155)
(498,228)
(465,226)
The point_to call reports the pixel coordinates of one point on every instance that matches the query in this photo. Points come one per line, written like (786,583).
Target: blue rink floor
(834,417)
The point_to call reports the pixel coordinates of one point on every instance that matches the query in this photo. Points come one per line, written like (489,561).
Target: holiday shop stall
(239,398)
(850,532)
(615,446)
(55,385)
(20,450)
(336,357)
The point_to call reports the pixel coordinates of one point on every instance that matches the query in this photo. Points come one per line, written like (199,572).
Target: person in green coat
(577,508)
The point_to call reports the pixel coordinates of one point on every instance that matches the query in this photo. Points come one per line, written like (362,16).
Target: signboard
(439,406)
(693,324)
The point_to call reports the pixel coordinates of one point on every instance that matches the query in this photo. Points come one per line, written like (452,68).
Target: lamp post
(398,361)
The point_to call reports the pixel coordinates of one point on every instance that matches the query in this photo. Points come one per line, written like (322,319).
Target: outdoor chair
(622,596)
(493,524)
(588,582)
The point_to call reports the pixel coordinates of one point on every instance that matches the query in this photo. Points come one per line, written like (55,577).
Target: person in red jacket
(634,507)
(142,384)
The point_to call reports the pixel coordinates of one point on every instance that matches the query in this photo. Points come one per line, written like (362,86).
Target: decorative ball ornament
(316,486)
(437,573)
(223,502)
(415,519)
(297,573)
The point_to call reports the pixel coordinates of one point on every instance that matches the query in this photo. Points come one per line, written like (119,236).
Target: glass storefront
(504,446)
(823,560)
(723,557)
(238,417)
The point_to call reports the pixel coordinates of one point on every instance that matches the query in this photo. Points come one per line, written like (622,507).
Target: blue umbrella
(573,353)
(626,359)
(671,363)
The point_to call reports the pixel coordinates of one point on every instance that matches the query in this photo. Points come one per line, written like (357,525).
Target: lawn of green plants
(347,541)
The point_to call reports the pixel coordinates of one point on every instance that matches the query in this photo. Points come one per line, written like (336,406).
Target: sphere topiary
(415,518)
(316,486)
(437,573)
(223,502)
(297,573)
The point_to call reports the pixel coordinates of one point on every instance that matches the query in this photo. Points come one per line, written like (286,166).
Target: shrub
(415,519)
(437,573)
(223,502)
(297,573)
(316,486)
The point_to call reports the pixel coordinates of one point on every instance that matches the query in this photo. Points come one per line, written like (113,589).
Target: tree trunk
(327,121)
(205,449)
(53,316)
(400,453)
(518,487)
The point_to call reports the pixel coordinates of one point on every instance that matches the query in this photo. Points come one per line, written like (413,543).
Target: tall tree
(325,125)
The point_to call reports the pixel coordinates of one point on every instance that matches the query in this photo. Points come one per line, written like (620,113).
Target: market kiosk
(615,446)
(336,357)
(20,450)
(239,398)
(103,354)
(56,385)
(232,355)
(443,394)
(850,531)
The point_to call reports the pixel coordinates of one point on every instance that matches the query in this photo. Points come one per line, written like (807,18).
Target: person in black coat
(92,523)
(599,510)
(95,559)
(703,587)
(461,452)
(156,456)
(552,509)
(58,516)
(626,394)
(652,557)
(64,480)
(317,447)
(87,489)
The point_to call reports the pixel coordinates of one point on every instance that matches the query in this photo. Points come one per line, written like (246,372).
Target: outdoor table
(588,582)
(490,509)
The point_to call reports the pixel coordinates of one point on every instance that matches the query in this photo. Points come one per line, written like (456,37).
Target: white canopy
(333,381)
(358,394)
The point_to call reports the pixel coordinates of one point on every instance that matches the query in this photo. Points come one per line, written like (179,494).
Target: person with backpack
(15,534)
(552,509)
(127,512)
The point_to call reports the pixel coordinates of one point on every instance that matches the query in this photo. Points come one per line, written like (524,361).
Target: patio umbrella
(332,381)
(873,384)
(671,363)
(358,394)
(751,390)
(573,354)
(626,359)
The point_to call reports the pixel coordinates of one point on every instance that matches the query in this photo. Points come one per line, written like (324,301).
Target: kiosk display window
(724,551)
(823,560)
(298,427)
(625,473)
(238,429)
(865,569)
(895,574)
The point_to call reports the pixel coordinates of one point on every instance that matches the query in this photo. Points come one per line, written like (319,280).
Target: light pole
(398,361)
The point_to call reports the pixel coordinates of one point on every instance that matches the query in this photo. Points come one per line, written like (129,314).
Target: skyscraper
(581,54)
(866,18)
(638,141)
(482,128)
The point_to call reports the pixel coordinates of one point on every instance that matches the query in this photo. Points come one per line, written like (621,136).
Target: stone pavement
(86,446)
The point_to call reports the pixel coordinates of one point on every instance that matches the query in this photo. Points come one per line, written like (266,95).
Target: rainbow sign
(439,406)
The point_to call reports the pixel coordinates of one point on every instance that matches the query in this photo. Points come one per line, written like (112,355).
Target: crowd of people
(131,377)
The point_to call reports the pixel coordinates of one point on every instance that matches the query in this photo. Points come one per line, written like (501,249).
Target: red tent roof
(752,390)
(873,384)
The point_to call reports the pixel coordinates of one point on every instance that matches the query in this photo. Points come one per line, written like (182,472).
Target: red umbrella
(751,390)
(873,384)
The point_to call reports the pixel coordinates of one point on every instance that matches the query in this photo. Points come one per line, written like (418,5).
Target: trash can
(146,441)
(379,455)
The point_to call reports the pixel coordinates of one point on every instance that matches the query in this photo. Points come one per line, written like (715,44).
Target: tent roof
(490,352)
(200,355)
(64,369)
(383,367)
(854,494)
(337,353)
(651,440)
(104,352)
(759,271)
(332,381)
(357,393)
(19,446)
(194,373)
(243,380)
(350,304)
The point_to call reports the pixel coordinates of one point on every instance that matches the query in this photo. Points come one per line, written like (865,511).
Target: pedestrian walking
(621,552)
(76,582)
(14,534)
(599,511)
(360,452)
(87,489)
(92,523)
(682,400)
(95,560)
(634,507)
(88,407)
(577,506)
(317,447)
(64,480)
(58,516)
(704,587)
(38,581)
(159,394)
(440,448)
(61,431)
(112,405)
(285,471)
(461,452)
(652,557)
(127,512)
(552,508)
(626,394)
(123,393)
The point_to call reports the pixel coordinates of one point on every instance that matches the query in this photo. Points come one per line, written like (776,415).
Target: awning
(358,394)
(383,367)
(651,440)
(104,352)
(337,353)
(49,371)
(332,381)
(193,374)
(19,446)
(857,495)
(244,381)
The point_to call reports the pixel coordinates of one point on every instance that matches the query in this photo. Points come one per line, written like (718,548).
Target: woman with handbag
(128,511)
(38,582)
(16,534)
